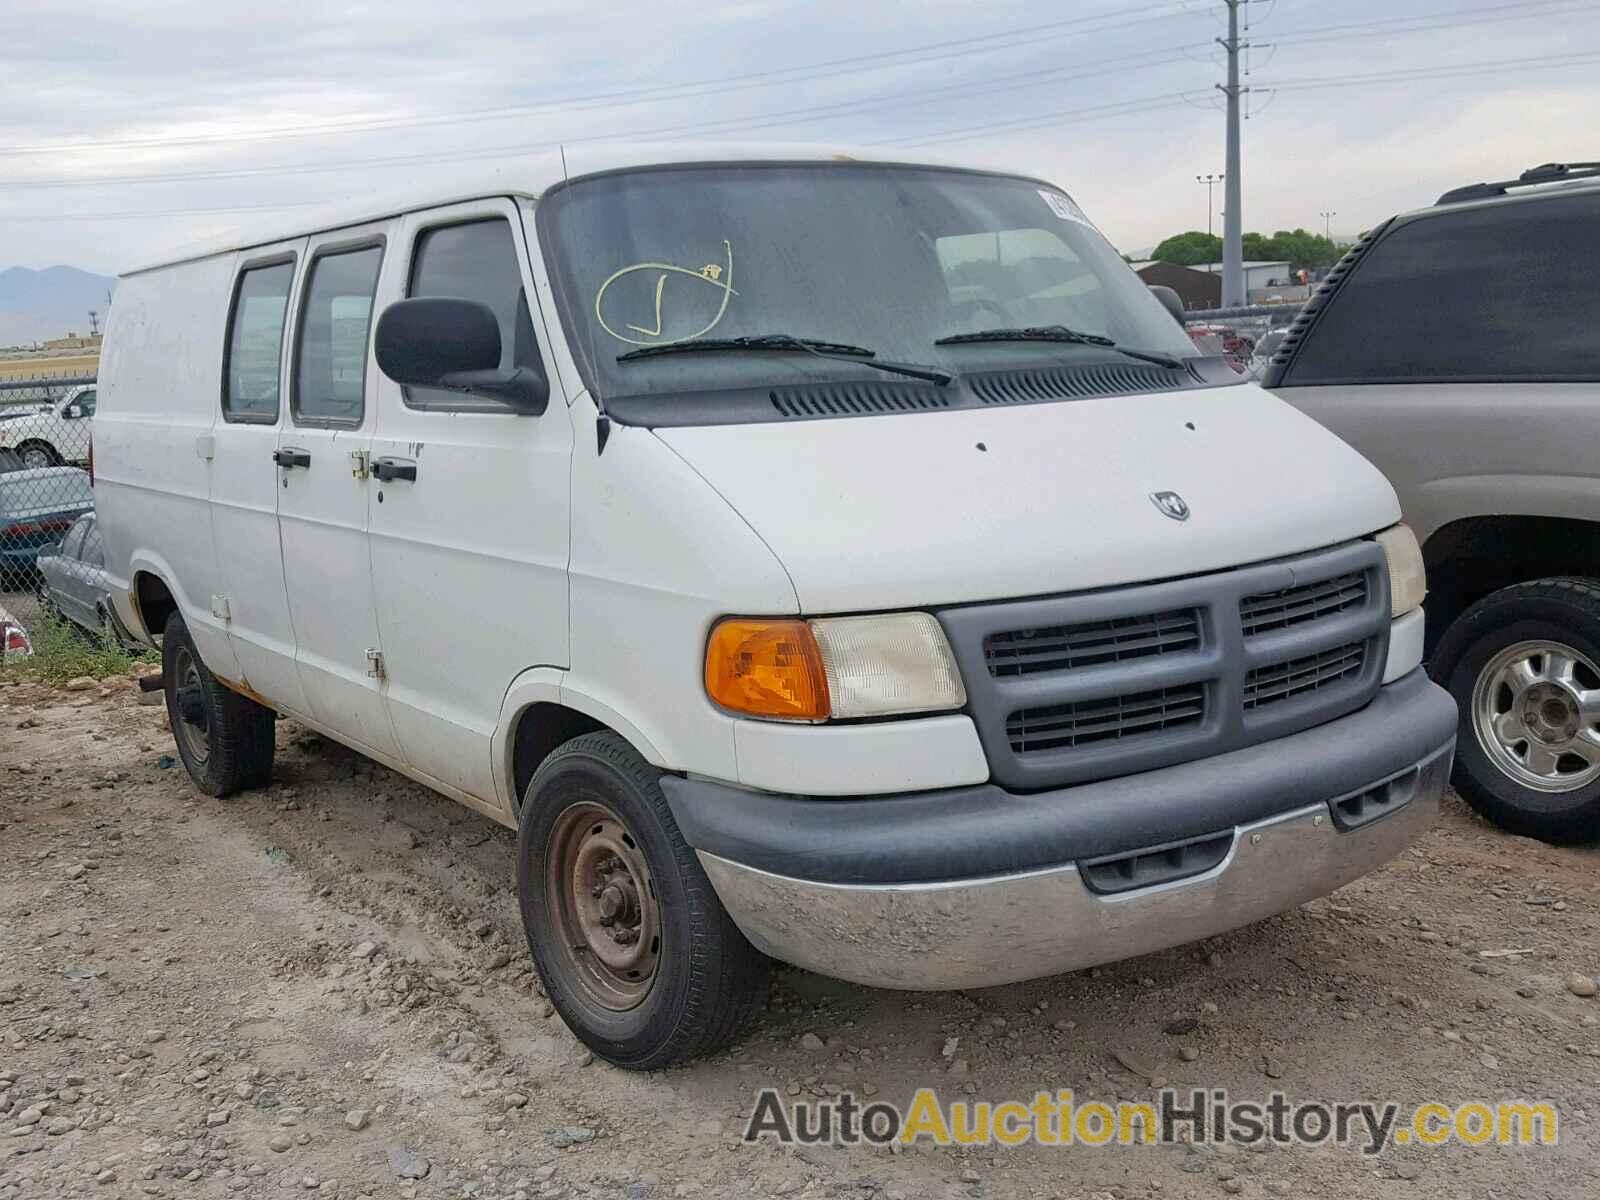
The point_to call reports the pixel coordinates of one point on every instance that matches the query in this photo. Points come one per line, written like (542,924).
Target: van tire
(707,980)
(238,732)
(1563,613)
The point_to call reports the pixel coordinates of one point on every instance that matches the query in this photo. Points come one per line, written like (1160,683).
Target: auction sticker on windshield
(1065,208)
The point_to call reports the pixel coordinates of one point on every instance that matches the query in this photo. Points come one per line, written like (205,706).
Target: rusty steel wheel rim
(603,902)
(193,726)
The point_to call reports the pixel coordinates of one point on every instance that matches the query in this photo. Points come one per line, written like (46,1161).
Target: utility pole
(1233,295)
(1210,181)
(1327,222)
(94,322)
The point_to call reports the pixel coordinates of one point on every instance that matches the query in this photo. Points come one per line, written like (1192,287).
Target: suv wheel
(636,951)
(1524,667)
(224,739)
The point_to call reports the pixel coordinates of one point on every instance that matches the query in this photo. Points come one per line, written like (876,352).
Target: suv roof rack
(1547,173)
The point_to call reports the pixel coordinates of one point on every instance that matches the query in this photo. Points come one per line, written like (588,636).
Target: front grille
(1068,689)
(1113,719)
(1304,602)
(1119,639)
(1286,680)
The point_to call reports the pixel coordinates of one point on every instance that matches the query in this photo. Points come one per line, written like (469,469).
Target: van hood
(926,509)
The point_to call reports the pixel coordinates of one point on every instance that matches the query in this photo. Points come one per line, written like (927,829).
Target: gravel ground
(322,988)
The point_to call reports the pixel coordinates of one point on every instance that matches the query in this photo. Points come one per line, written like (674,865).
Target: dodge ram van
(841,561)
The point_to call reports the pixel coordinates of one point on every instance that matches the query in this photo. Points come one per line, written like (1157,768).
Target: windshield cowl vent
(855,399)
(1064,383)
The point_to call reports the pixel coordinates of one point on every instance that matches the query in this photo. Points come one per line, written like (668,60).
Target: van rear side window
(255,344)
(335,331)
(475,261)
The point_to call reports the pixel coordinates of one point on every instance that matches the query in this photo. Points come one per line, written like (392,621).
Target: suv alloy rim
(1536,711)
(607,918)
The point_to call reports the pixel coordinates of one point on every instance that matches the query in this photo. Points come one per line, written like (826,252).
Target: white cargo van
(837,560)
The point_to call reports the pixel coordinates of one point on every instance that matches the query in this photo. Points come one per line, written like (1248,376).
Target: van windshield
(889,259)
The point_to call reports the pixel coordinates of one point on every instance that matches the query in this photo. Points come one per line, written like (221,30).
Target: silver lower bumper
(981,932)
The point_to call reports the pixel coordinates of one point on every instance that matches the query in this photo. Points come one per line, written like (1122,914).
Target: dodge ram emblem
(1171,504)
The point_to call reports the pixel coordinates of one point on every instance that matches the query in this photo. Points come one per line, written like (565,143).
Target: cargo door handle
(290,457)
(387,469)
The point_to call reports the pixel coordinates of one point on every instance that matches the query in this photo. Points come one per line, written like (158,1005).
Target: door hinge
(375,664)
(219,608)
(360,463)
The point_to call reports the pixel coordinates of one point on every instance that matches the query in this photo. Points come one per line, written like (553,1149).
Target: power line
(1041,121)
(952,48)
(755,121)
(1444,71)
(1427,22)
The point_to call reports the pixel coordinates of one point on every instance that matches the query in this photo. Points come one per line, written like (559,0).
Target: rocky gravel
(321,988)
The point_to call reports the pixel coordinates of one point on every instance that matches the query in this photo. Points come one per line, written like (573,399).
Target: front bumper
(974,887)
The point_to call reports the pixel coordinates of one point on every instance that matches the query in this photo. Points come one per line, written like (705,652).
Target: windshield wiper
(1056,333)
(841,351)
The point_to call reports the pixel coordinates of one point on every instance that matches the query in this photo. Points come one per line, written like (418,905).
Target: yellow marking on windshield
(711,274)
(661,284)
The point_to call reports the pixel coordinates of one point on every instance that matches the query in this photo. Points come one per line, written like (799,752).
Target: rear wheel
(1524,667)
(224,739)
(636,951)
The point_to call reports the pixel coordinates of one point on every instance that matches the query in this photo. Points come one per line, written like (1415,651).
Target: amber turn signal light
(767,669)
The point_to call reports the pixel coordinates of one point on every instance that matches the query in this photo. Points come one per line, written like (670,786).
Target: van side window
(475,261)
(335,328)
(255,344)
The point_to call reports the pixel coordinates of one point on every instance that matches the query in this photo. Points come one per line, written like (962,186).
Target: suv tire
(224,739)
(637,953)
(1524,666)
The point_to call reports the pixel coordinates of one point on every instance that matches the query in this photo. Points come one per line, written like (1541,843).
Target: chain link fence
(50,554)
(1246,337)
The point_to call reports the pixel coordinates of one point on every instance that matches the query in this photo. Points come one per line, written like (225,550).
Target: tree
(1296,247)
(1189,249)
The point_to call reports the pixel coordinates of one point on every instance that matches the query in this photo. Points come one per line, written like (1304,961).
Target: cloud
(240,106)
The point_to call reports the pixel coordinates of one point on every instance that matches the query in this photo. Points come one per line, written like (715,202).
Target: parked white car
(50,435)
(812,556)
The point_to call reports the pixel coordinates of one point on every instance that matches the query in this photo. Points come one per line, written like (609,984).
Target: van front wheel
(636,951)
(224,739)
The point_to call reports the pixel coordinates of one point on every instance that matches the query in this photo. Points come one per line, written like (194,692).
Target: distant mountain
(35,305)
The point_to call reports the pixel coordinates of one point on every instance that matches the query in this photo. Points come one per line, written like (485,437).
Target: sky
(127,127)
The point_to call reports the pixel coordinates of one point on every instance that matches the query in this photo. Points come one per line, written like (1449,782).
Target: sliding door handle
(387,469)
(288,457)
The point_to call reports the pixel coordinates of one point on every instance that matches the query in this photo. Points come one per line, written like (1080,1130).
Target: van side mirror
(1170,300)
(439,342)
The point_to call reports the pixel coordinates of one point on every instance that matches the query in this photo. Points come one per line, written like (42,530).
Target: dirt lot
(322,987)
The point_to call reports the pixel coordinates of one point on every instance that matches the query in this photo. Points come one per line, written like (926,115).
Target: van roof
(522,175)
